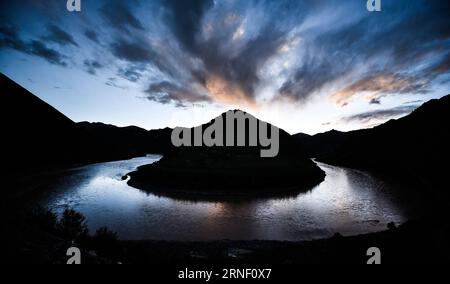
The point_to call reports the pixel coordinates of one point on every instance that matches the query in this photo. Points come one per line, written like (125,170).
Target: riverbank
(412,242)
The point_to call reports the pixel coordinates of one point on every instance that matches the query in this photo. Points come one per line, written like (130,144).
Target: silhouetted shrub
(44,219)
(105,243)
(72,225)
(104,234)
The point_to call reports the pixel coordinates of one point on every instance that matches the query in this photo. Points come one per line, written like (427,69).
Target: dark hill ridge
(230,170)
(415,147)
(108,142)
(35,136)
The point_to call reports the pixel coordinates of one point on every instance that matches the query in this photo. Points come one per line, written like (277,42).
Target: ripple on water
(348,201)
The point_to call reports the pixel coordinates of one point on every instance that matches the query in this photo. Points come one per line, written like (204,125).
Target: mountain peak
(234,111)
(247,114)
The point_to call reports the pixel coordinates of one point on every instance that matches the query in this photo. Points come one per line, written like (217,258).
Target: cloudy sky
(305,66)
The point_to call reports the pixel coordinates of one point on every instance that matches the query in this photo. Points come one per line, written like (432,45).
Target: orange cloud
(376,84)
(227,92)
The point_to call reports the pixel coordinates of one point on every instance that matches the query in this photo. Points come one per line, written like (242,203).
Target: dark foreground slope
(33,132)
(414,242)
(230,170)
(37,238)
(415,147)
(37,137)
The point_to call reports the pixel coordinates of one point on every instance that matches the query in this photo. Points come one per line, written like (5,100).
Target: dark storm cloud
(119,15)
(394,41)
(39,48)
(228,51)
(236,48)
(132,73)
(139,55)
(375,101)
(132,51)
(167,92)
(184,17)
(92,66)
(229,63)
(242,69)
(92,35)
(441,67)
(380,115)
(311,76)
(9,38)
(57,35)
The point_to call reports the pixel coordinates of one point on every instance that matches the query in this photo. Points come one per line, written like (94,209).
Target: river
(348,201)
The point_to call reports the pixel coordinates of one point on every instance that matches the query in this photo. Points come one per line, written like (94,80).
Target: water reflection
(348,201)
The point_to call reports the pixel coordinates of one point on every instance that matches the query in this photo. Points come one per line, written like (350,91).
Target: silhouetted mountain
(238,170)
(415,147)
(33,132)
(36,136)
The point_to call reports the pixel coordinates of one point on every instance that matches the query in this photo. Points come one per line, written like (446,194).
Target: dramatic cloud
(167,92)
(231,41)
(92,35)
(38,48)
(391,54)
(133,72)
(236,43)
(184,17)
(132,51)
(307,79)
(442,66)
(380,115)
(9,38)
(119,16)
(92,66)
(244,53)
(381,84)
(55,34)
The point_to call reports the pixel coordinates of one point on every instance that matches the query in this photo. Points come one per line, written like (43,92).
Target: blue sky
(305,66)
